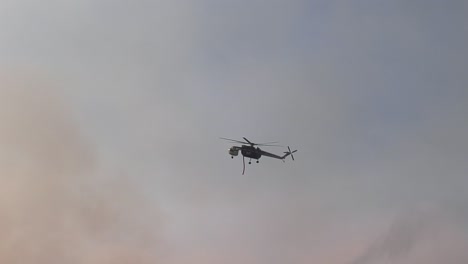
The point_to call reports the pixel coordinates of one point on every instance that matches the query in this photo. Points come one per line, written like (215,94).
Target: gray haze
(110,113)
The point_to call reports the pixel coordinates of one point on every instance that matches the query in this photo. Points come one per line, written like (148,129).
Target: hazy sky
(111,113)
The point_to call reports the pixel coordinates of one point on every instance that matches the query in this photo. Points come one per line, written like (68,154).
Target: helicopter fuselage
(246,151)
(251,152)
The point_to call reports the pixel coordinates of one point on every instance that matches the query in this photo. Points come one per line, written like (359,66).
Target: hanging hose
(243,163)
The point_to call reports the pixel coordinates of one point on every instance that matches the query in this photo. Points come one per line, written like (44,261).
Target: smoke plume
(55,204)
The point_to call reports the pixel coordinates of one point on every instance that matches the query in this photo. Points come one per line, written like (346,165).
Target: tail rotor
(290,152)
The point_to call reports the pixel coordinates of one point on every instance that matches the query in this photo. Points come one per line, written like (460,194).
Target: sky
(111,113)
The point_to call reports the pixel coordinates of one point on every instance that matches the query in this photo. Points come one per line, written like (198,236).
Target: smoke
(397,243)
(373,96)
(56,206)
(419,237)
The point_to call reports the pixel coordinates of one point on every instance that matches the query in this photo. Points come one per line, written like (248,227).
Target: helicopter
(250,151)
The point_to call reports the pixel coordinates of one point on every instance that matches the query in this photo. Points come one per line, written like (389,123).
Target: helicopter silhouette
(250,151)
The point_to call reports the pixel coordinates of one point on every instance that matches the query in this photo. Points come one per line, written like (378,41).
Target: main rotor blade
(249,141)
(261,144)
(237,141)
(268,145)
